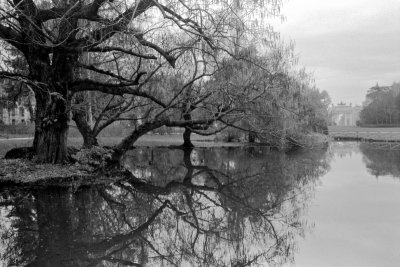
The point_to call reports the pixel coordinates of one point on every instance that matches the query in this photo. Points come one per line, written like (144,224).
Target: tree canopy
(159,63)
(128,43)
(382,105)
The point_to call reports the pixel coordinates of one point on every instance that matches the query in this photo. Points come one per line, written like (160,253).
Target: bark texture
(89,136)
(52,105)
(187,142)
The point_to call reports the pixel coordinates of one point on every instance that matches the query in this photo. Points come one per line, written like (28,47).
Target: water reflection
(344,149)
(380,162)
(380,159)
(356,215)
(202,207)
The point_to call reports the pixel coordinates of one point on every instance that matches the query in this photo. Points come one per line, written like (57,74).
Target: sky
(349,45)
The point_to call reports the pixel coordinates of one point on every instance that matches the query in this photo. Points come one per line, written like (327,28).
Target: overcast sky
(349,45)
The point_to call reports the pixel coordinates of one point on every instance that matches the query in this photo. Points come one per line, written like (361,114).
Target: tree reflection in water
(380,162)
(201,207)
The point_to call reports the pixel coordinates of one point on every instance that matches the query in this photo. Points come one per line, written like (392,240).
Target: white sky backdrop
(349,45)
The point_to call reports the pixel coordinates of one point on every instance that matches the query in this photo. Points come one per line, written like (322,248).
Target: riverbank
(148,140)
(158,140)
(26,171)
(353,133)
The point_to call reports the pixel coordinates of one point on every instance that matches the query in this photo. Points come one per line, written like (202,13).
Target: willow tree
(53,36)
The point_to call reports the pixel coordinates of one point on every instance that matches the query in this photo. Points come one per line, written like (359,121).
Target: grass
(146,140)
(7,144)
(363,129)
(373,134)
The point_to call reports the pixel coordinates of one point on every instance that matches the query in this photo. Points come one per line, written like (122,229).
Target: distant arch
(345,115)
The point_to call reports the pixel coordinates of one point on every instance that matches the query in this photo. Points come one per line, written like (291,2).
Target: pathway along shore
(352,133)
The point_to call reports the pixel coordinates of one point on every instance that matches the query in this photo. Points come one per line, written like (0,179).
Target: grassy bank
(146,140)
(7,144)
(365,133)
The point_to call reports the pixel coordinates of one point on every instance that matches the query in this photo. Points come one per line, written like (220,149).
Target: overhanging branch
(120,49)
(12,37)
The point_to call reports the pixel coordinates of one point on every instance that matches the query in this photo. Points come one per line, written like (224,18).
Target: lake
(332,206)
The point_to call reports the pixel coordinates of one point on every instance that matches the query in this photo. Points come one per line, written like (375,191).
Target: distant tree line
(382,105)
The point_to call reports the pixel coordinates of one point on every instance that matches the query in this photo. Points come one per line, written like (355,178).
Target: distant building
(11,112)
(345,115)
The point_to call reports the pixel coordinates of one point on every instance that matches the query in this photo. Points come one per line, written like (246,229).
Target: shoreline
(16,138)
(364,134)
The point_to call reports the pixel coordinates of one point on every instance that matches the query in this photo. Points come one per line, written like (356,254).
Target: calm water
(338,206)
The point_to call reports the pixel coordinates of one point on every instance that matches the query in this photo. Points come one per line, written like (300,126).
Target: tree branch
(105,72)
(12,37)
(120,49)
(119,24)
(115,89)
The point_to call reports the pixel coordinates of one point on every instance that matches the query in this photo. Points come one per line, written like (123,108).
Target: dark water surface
(338,206)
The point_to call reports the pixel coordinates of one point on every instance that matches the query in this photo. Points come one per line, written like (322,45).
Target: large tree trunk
(89,136)
(186,138)
(252,137)
(186,134)
(52,105)
(90,141)
(51,129)
(128,141)
(51,117)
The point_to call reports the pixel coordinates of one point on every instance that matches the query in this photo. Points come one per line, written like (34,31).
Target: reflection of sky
(356,218)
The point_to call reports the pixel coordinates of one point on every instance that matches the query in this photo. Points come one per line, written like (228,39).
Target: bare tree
(53,35)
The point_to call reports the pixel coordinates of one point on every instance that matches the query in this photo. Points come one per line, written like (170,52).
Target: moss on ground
(25,171)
